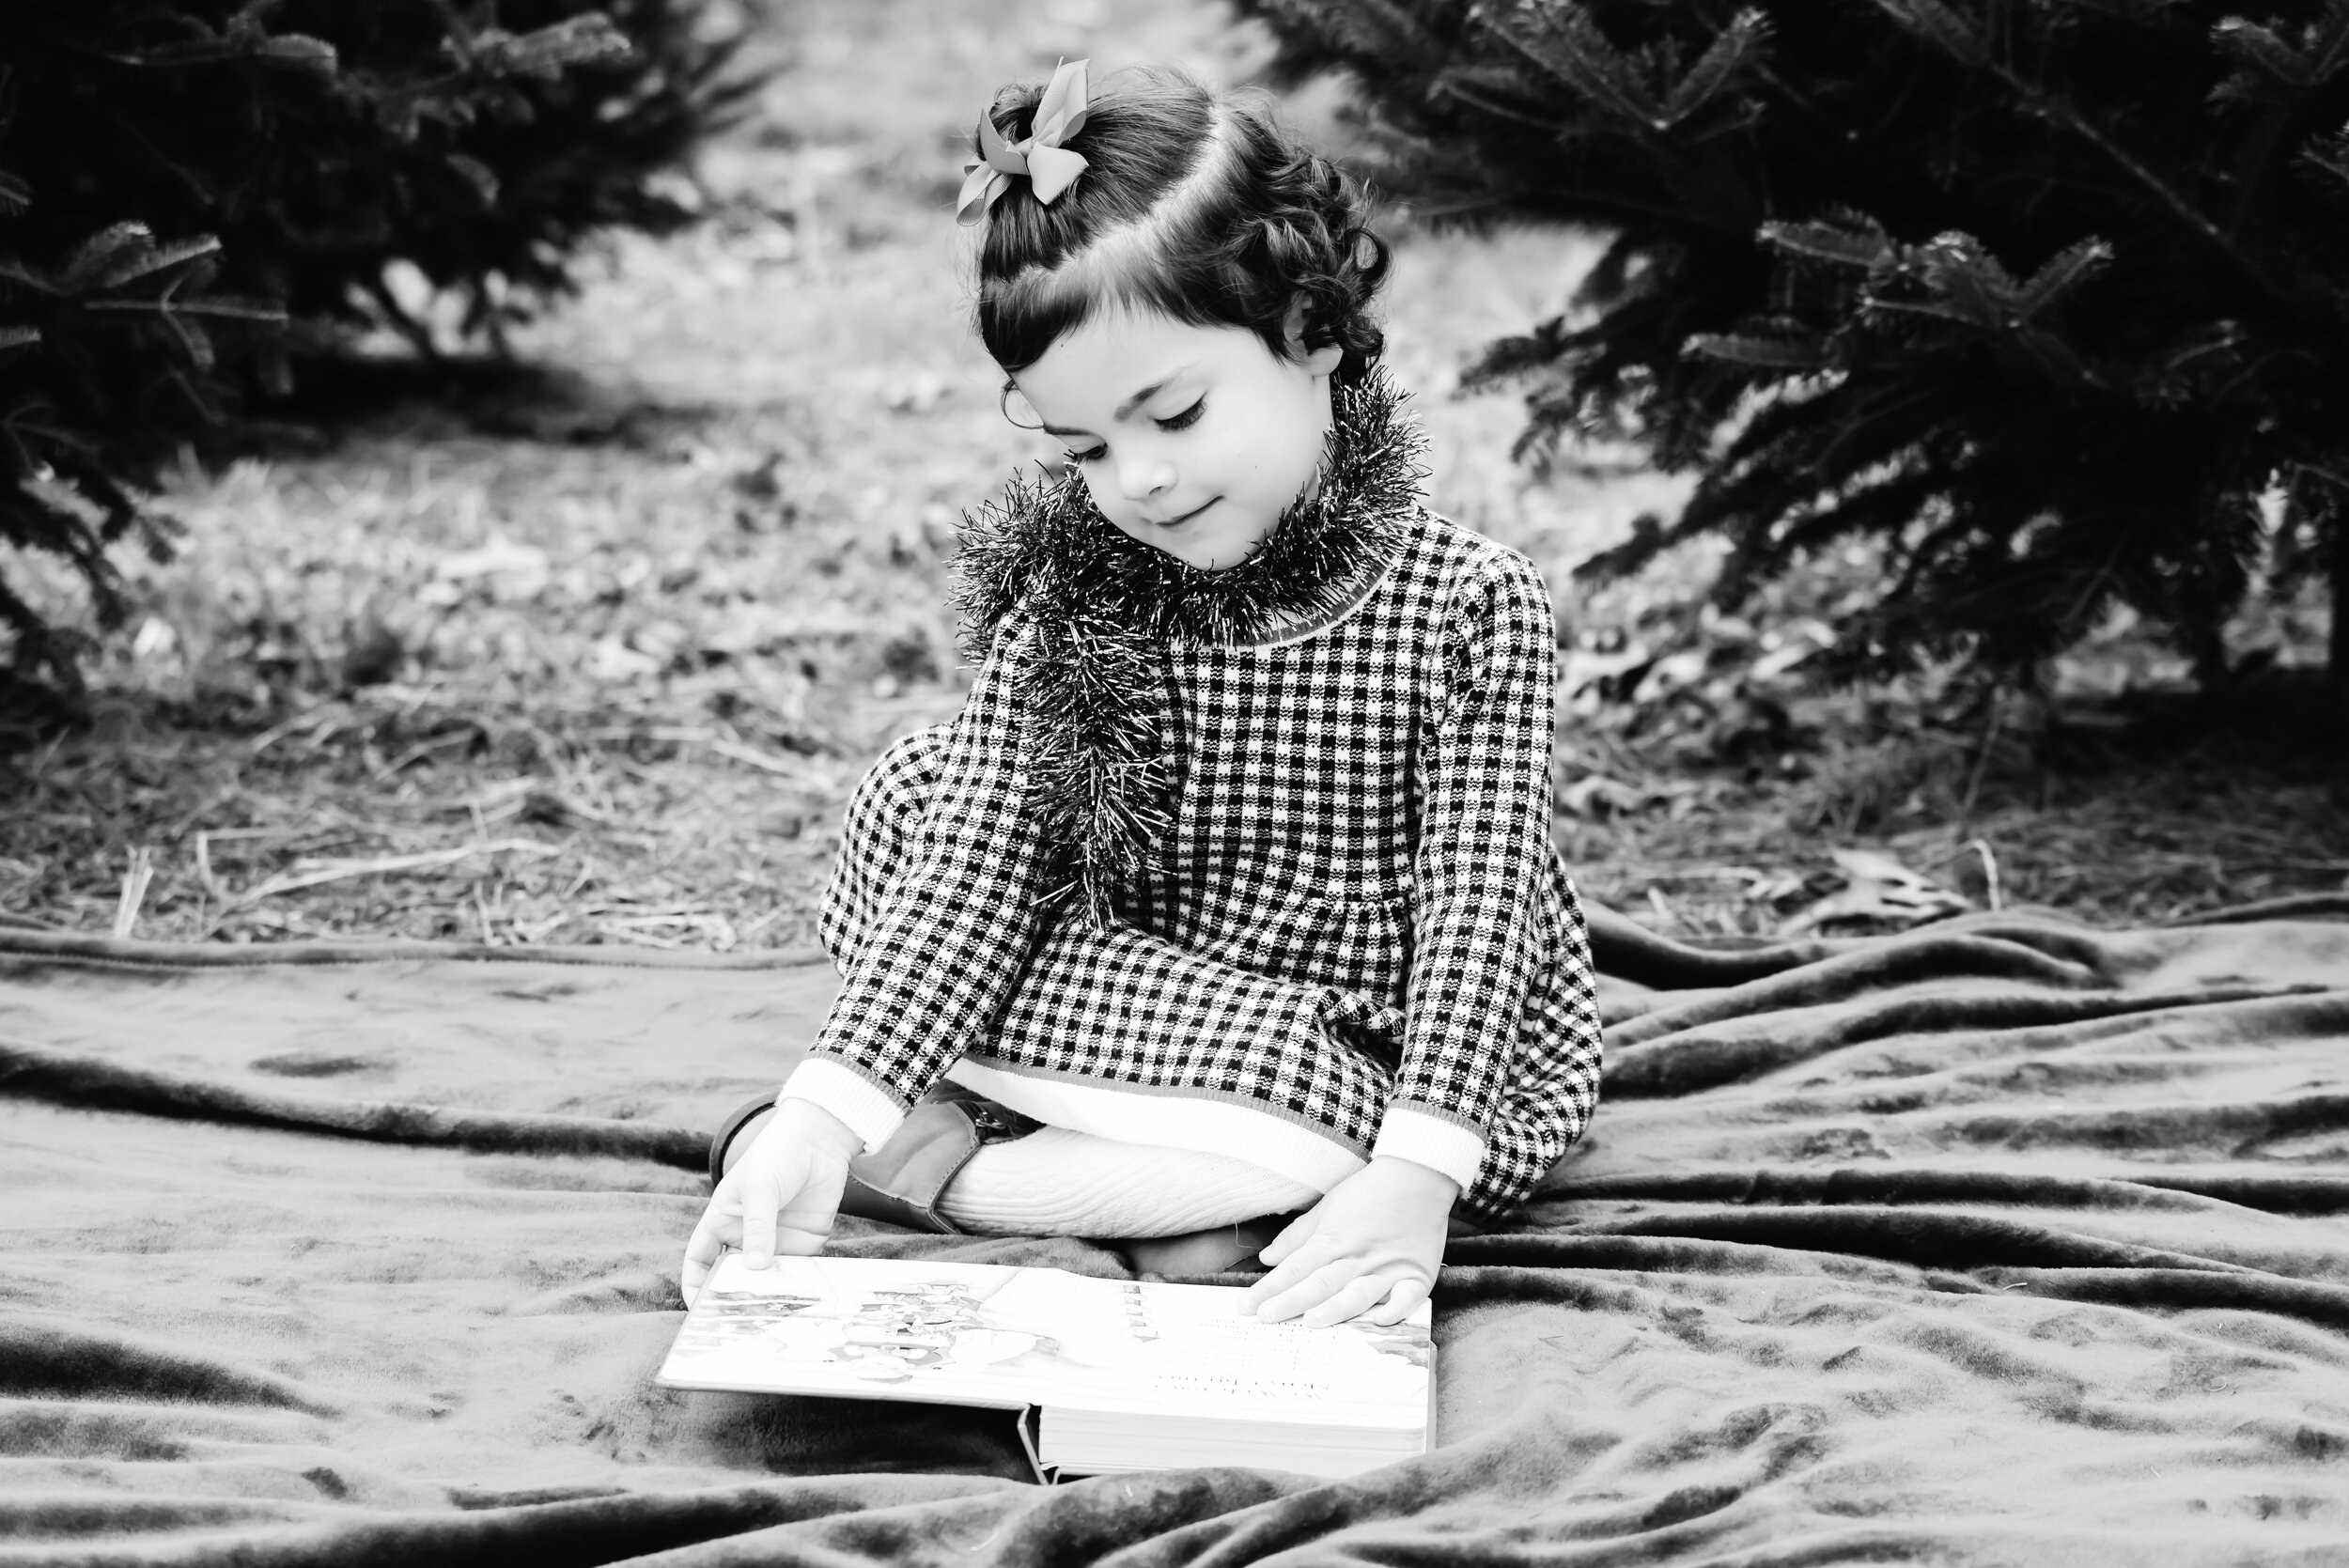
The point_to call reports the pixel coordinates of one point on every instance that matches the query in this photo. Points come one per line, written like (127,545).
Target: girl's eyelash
(1182,421)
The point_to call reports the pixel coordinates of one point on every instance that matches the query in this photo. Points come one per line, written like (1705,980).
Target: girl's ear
(1316,362)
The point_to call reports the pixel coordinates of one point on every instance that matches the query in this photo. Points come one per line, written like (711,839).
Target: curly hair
(1199,207)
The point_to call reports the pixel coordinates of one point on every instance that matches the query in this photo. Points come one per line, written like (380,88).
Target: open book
(1106,1374)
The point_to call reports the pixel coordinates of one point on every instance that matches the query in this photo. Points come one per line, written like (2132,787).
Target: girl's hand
(782,1196)
(1370,1248)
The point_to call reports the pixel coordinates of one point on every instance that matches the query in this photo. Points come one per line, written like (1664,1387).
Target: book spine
(1138,1311)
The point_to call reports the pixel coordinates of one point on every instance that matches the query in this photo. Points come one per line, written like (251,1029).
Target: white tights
(1056,1182)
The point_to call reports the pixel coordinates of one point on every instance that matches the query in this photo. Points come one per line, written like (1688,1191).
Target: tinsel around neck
(1044,543)
(1103,608)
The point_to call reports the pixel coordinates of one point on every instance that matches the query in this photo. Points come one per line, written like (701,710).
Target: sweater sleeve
(1484,842)
(949,945)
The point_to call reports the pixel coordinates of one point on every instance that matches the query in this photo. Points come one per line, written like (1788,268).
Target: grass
(592,651)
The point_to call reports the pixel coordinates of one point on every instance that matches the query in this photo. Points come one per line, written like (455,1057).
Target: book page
(889,1329)
(1192,1352)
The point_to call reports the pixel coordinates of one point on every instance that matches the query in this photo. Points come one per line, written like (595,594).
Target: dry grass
(593,654)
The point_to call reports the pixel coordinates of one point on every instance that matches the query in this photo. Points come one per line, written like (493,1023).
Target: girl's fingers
(1357,1296)
(1264,1292)
(701,1251)
(815,1207)
(721,1224)
(1308,1292)
(1401,1302)
(762,1201)
(1293,1235)
(1288,1266)
(1297,1270)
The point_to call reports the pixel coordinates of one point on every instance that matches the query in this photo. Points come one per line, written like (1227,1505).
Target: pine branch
(1852,239)
(2062,272)
(2270,68)
(1982,257)
(284,168)
(1944,28)
(2329,43)
(2059,112)
(1558,37)
(1764,346)
(1731,53)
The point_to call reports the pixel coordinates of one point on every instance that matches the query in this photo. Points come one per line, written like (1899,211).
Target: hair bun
(1014,111)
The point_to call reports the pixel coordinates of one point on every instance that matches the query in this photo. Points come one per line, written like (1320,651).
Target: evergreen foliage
(2044,293)
(195,194)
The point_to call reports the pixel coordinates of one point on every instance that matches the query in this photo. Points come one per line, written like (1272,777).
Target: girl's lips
(1177,522)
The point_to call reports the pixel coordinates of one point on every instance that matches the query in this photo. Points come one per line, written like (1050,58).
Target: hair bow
(1050,166)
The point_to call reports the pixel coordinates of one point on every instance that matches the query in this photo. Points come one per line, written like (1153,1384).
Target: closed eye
(1182,421)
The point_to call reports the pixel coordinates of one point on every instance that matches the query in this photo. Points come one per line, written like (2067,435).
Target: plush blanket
(2005,1241)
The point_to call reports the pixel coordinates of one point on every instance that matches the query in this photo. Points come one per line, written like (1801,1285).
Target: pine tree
(2046,294)
(195,194)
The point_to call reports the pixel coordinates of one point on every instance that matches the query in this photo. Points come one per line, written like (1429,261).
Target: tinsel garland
(1105,608)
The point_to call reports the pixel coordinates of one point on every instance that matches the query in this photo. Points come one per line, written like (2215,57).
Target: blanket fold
(2005,1241)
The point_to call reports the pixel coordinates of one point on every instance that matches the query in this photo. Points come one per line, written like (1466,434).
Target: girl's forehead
(1116,356)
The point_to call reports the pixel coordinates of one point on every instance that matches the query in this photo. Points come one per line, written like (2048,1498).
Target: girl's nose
(1146,478)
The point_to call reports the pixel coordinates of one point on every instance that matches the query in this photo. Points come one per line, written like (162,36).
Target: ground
(591,652)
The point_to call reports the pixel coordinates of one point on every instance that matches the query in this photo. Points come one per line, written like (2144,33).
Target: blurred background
(587,639)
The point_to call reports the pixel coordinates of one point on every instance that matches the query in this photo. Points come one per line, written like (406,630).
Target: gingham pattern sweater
(1358,926)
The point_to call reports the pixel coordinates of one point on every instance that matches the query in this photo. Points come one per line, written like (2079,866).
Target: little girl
(1231,893)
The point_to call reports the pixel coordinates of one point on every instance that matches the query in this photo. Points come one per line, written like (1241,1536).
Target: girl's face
(1191,439)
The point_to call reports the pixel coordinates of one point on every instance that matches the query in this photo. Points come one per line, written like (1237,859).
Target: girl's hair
(1198,208)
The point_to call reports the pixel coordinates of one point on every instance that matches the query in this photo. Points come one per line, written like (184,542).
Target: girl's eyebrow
(1130,404)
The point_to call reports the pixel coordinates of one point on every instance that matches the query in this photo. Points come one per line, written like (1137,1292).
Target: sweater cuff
(870,1112)
(1434,1141)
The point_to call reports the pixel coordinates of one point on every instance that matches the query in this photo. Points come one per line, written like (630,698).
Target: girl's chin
(1200,554)
(1208,560)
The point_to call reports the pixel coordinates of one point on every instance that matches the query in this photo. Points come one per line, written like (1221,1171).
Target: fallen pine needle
(134,893)
(1989,870)
(758,758)
(312,720)
(340,870)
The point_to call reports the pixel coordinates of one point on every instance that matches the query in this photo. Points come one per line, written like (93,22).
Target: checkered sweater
(1363,805)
